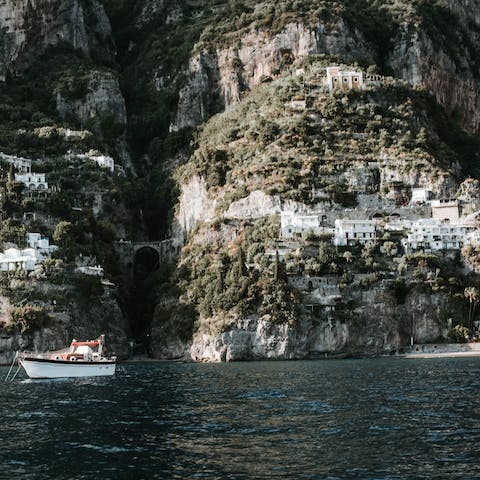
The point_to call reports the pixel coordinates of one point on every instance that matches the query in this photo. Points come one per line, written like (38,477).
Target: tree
(348,256)
(471,294)
(64,237)
(326,254)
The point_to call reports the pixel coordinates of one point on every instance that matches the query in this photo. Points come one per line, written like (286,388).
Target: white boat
(81,359)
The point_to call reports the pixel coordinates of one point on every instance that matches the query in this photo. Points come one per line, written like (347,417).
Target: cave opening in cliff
(143,294)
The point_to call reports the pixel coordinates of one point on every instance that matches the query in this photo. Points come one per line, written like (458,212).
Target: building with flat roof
(35,182)
(350,232)
(41,244)
(446,210)
(14,259)
(295,224)
(420,196)
(430,235)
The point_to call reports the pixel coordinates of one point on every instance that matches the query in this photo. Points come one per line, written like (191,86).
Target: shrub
(28,318)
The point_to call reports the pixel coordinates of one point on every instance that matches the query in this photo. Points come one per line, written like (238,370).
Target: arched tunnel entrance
(142,301)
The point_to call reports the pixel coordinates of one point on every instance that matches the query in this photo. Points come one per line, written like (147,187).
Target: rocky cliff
(218,119)
(29,28)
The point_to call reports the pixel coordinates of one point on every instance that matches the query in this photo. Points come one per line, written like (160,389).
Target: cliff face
(28,28)
(216,80)
(228,72)
(422,53)
(382,327)
(102,98)
(253,161)
(455,85)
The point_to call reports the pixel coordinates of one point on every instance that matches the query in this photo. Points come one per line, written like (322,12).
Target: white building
(103,161)
(343,80)
(349,232)
(41,245)
(446,210)
(294,224)
(96,271)
(432,235)
(420,196)
(473,238)
(23,165)
(33,181)
(16,259)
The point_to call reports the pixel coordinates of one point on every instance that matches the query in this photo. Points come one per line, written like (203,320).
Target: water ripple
(348,420)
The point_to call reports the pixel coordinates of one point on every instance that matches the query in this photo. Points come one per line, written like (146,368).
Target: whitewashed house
(446,210)
(14,259)
(35,182)
(398,225)
(349,232)
(103,161)
(431,235)
(420,196)
(473,238)
(96,271)
(23,165)
(294,224)
(41,245)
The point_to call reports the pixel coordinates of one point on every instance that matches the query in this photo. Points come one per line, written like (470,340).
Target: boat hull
(41,368)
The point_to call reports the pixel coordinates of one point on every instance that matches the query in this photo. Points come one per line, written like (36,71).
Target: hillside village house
(473,238)
(96,271)
(16,259)
(349,232)
(35,182)
(103,161)
(431,235)
(41,245)
(294,224)
(26,259)
(420,196)
(343,80)
(447,210)
(23,165)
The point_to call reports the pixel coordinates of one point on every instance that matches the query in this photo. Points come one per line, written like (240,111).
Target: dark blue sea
(345,419)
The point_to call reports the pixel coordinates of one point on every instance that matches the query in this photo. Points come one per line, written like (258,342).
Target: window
(355,79)
(345,80)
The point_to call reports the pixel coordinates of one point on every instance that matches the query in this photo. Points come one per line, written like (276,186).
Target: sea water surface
(347,419)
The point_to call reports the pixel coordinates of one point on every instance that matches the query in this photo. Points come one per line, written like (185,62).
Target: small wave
(105,448)
(262,394)
(383,428)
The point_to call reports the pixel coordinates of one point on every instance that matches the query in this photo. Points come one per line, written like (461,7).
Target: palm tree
(471,294)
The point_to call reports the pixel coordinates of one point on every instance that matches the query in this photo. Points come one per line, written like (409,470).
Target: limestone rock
(102,99)
(27,28)
(218,79)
